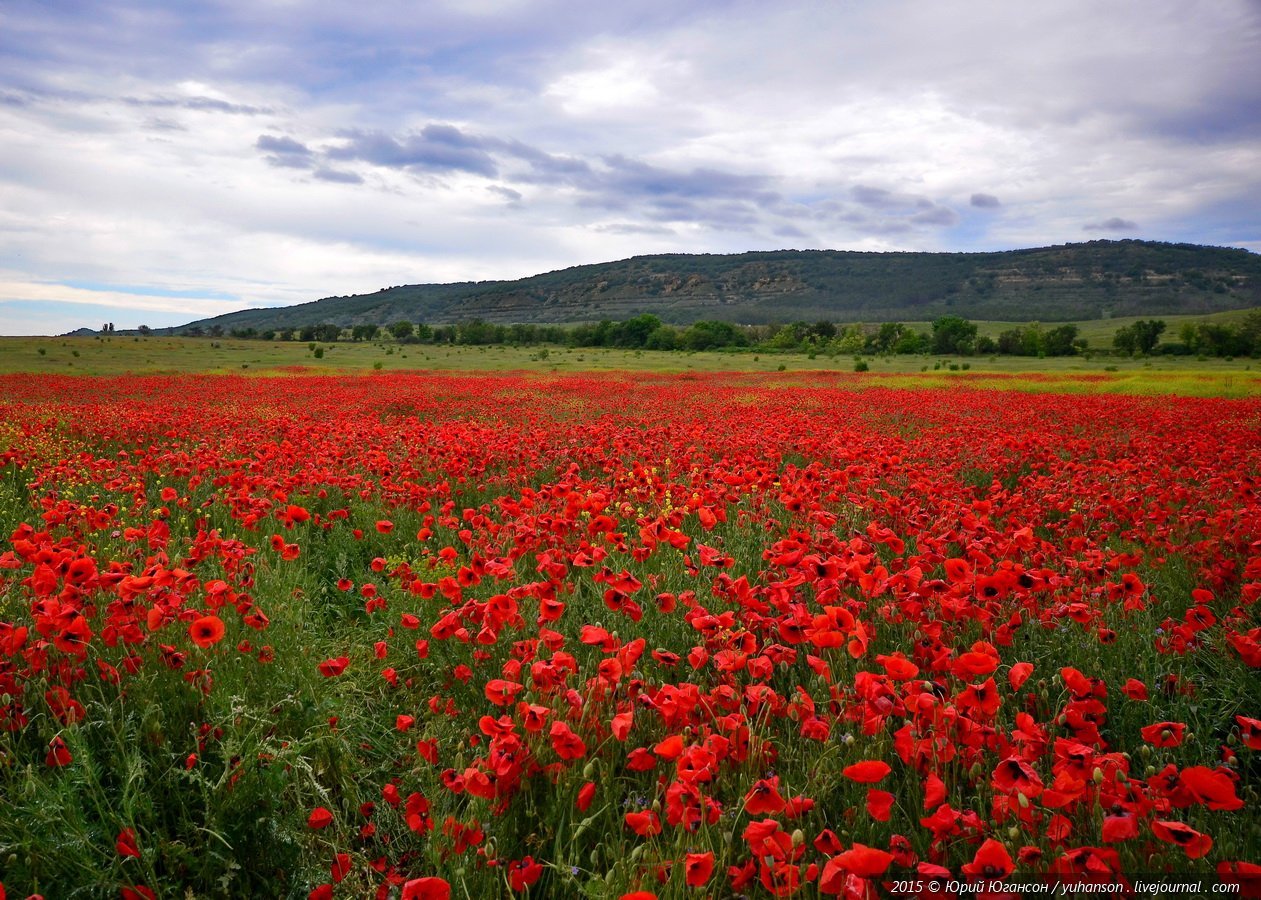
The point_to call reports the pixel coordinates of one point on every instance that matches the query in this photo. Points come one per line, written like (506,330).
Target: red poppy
(429,888)
(1014,774)
(58,753)
(502,692)
(331,668)
(319,818)
(1135,689)
(869,771)
(990,862)
(879,804)
(1250,731)
(565,742)
(1191,841)
(523,872)
(1164,734)
(864,861)
(125,844)
(1212,787)
(643,823)
(586,794)
(206,631)
(340,867)
(698,867)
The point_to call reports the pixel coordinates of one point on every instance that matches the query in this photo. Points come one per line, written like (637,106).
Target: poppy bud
(798,837)
(1097,775)
(1145,751)
(1023,800)
(1013,832)
(1149,771)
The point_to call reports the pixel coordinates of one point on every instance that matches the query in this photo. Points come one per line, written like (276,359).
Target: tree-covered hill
(1092,280)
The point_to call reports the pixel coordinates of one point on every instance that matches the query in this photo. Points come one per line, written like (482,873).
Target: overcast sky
(163,162)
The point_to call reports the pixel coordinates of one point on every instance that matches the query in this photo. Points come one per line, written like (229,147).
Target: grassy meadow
(121,354)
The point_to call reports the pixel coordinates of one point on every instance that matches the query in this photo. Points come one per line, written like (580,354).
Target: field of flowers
(653,635)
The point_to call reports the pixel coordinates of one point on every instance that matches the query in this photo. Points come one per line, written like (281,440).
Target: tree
(1147,334)
(1141,337)
(953,334)
(401,330)
(1059,341)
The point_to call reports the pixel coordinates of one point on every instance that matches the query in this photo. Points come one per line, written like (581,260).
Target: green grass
(121,355)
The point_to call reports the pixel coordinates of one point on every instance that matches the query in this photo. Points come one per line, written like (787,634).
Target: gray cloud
(1113,224)
(937,215)
(285,152)
(200,104)
(337,176)
(871,196)
(435,148)
(984,201)
(506,193)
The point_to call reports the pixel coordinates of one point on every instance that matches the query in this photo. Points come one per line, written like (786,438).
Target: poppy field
(615,635)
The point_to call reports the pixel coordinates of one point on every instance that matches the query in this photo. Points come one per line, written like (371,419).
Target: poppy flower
(58,753)
(586,794)
(869,771)
(1135,689)
(502,692)
(331,668)
(1019,674)
(319,818)
(1014,774)
(991,861)
(206,631)
(644,824)
(1164,734)
(1212,787)
(863,861)
(764,798)
(340,867)
(879,804)
(698,867)
(429,888)
(1250,732)
(125,844)
(523,872)
(1193,843)
(565,742)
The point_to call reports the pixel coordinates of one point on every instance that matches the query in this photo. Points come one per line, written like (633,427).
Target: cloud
(506,193)
(984,201)
(285,152)
(337,176)
(435,148)
(200,104)
(1115,223)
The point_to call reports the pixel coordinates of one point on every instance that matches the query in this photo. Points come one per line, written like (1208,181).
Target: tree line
(948,335)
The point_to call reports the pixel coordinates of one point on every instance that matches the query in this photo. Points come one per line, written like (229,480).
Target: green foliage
(953,334)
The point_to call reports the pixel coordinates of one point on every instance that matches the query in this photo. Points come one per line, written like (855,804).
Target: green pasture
(120,354)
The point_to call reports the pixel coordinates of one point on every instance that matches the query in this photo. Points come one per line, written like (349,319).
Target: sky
(164,162)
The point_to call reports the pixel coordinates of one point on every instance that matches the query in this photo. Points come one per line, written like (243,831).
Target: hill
(1094,280)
